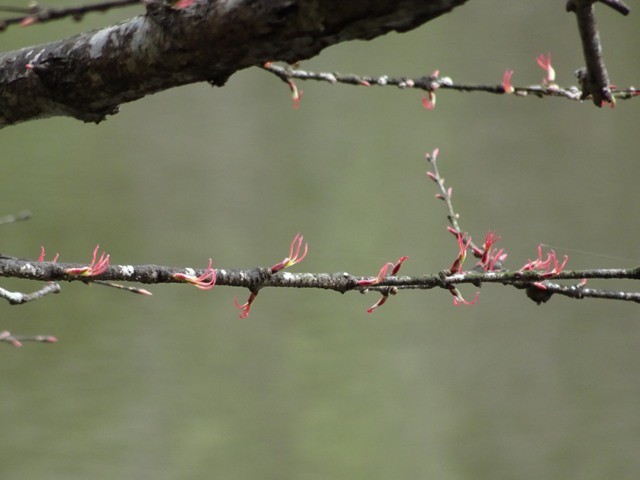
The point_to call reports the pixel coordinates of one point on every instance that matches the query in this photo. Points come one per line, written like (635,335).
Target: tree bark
(89,75)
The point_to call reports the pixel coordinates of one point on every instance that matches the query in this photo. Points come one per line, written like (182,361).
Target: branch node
(538,294)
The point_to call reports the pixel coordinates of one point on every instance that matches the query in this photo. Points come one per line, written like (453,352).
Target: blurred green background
(310,386)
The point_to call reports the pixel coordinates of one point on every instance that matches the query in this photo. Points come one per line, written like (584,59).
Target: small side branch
(617,5)
(34,13)
(579,292)
(18,298)
(16,217)
(431,83)
(16,340)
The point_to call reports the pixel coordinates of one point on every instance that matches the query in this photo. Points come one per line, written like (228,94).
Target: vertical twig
(595,80)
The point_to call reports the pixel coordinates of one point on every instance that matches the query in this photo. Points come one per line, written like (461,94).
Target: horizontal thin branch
(37,14)
(432,83)
(18,298)
(617,5)
(16,217)
(578,292)
(16,340)
(258,278)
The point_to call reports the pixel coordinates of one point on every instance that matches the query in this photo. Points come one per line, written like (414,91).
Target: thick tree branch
(89,75)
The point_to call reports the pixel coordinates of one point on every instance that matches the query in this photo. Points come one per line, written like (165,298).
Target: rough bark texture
(87,76)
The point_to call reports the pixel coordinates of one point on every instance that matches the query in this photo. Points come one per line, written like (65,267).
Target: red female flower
(379,303)
(462,247)
(295,94)
(43,254)
(206,281)
(246,307)
(458,299)
(545,64)
(549,265)
(489,256)
(395,267)
(183,4)
(506,81)
(294,254)
(95,268)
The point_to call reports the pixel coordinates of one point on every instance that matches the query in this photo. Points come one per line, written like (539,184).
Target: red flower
(295,94)
(506,81)
(549,266)
(545,64)
(95,268)
(42,255)
(206,281)
(294,256)
(395,267)
(183,4)
(28,21)
(489,257)
(431,157)
(7,337)
(429,102)
(246,307)
(379,303)
(462,246)
(458,299)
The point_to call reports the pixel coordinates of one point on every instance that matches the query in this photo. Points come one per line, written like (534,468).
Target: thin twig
(17,217)
(16,340)
(32,8)
(431,83)
(38,14)
(595,79)
(445,195)
(128,288)
(18,298)
(617,5)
